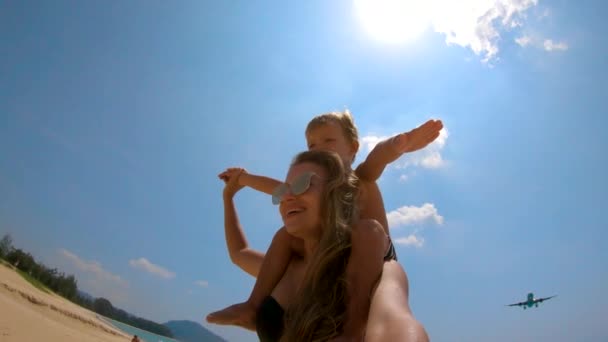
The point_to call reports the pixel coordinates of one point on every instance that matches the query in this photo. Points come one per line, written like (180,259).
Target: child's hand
(417,138)
(230,172)
(231,178)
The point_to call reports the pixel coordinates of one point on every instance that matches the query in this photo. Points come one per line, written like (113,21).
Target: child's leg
(275,263)
(369,245)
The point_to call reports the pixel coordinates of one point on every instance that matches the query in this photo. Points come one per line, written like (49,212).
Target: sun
(393,21)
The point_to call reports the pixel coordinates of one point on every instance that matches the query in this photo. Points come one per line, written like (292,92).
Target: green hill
(189,331)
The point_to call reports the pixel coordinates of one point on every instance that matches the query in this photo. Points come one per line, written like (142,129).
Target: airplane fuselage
(530,302)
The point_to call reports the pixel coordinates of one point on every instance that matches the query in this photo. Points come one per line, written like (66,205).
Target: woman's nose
(288,195)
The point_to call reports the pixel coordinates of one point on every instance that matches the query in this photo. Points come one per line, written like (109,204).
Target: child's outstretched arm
(250,261)
(267,268)
(259,183)
(247,259)
(270,271)
(387,151)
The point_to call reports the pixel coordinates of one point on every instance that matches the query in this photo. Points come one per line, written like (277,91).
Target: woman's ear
(355,147)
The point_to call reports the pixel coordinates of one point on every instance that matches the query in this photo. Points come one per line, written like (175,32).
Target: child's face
(330,137)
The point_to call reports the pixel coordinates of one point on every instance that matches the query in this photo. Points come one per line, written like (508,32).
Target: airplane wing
(540,300)
(517,304)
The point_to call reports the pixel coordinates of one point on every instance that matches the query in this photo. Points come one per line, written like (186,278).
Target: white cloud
(546,44)
(428,157)
(474,24)
(202,283)
(403,178)
(545,13)
(92,267)
(523,41)
(97,281)
(412,215)
(432,160)
(410,240)
(443,136)
(549,45)
(477,23)
(368,142)
(409,215)
(144,264)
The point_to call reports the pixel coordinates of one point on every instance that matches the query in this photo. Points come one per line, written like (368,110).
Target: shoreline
(29,314)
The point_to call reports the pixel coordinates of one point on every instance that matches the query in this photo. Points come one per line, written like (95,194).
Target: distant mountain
(85,295)
(189,331)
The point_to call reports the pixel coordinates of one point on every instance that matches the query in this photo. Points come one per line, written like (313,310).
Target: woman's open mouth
(293,212)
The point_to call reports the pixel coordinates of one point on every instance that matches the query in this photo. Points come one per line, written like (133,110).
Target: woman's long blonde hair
(318,313)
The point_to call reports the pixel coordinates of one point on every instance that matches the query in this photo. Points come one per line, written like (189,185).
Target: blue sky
(116,117)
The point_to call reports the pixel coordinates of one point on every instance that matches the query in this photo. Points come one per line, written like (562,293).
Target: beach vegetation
(41,276)
(34,281)
(6,245)
(50,280)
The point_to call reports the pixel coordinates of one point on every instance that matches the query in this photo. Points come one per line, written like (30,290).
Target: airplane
(531,301)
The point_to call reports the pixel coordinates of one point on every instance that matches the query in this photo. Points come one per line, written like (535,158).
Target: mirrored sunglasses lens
(301,184)
(278,193)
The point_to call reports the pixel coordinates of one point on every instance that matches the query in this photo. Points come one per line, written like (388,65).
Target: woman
(311,295)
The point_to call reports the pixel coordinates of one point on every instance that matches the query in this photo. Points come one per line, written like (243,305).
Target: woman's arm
(249,260)
(364,268)
(390,317)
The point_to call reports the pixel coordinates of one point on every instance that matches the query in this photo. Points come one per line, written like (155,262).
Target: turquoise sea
(144,336)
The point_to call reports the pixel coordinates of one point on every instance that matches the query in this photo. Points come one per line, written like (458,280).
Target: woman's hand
(231,178)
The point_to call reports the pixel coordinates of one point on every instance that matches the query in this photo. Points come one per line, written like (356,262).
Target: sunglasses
(298,187)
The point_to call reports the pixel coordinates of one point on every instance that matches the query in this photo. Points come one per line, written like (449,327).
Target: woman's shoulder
(368,224)
(366,187)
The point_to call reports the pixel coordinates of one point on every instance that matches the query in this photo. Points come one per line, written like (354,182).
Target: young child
(335,132)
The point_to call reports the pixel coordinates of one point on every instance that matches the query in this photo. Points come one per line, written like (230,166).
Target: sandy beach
(29,314)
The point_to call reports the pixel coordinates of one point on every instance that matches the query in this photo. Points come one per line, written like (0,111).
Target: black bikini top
(269,320)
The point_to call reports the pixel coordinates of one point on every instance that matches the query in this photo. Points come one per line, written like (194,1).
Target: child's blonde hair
(344,119)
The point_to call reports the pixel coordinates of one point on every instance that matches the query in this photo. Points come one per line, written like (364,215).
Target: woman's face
(301,212)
